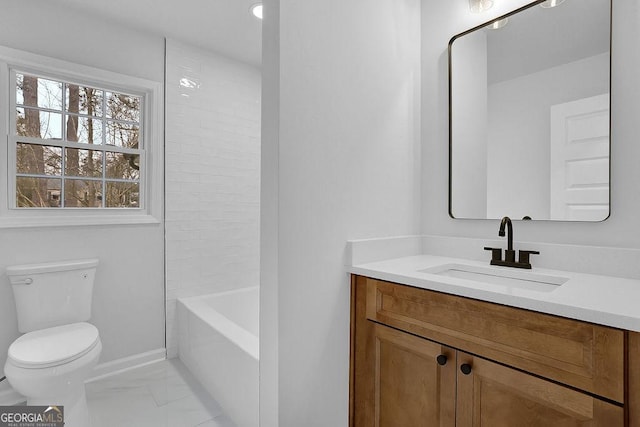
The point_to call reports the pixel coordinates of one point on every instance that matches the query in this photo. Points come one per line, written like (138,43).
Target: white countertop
(605,300)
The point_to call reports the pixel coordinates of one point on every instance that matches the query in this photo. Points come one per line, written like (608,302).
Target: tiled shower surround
(212,176)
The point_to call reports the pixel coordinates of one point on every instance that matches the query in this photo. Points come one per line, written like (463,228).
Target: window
(75,146)
(83,145)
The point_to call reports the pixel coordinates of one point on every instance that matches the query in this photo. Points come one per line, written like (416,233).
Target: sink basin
(499,276)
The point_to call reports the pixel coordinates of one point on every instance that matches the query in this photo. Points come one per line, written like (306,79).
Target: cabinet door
(492,395)
(399,382)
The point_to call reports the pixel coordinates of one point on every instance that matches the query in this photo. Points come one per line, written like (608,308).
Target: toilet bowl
(50,366)
(59,349)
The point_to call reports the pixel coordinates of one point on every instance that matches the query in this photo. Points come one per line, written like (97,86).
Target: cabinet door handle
(465,368)
(442,360)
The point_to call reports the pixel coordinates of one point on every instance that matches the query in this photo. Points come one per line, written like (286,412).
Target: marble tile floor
(162,394)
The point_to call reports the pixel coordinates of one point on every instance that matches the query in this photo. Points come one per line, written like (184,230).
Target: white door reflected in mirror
(580,159)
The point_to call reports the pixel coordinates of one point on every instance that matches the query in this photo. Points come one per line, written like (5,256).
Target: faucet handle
(496,253)
(523,257)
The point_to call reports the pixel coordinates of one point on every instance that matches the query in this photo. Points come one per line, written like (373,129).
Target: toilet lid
(53,346)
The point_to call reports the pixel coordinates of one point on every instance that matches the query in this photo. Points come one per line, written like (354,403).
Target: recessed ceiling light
(477,6)
(256,10)
(551,3)
(499,23)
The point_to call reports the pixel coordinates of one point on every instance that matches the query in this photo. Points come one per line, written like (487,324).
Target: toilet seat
(55,346)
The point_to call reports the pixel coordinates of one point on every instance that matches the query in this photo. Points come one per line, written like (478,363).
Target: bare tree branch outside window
(81,147)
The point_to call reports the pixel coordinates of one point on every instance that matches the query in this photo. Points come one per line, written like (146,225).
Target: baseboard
(118,366)
(8,396)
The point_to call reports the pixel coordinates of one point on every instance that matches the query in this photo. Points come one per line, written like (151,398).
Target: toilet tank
(52,294)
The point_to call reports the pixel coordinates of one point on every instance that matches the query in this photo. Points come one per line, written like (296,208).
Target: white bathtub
(218,342)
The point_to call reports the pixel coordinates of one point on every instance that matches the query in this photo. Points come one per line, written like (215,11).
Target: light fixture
(498,24)
(256,10)
(478,6)
(551,3)
(188,83)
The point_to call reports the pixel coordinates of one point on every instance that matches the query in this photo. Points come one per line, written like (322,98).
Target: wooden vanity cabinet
(417,359)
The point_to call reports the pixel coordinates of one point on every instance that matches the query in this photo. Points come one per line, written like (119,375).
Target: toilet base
(58,385)
(76,411)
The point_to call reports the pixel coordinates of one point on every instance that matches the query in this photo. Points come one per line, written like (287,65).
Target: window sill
(77,220)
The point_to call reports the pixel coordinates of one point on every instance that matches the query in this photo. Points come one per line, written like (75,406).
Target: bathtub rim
(244,339)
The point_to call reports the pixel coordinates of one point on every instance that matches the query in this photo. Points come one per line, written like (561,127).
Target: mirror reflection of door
(580,159)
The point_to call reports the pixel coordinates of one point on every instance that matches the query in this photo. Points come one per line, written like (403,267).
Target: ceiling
(223,26)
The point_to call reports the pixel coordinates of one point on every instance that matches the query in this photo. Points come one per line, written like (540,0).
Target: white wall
(128,300)
(347,167)
(469,125)
(442,20)
(212,176)
(519,152)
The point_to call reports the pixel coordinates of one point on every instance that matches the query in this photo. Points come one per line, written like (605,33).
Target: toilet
(59,349)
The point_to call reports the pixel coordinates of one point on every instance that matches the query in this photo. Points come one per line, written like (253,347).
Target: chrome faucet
(509,254)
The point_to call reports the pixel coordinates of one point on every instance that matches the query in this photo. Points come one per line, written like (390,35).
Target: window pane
(123,166)
(84,100)
(38,92)
(123,107)
(38,124)
(122,134)
(19,89)
(37,192)
(123,194)
(82,194)
(84,130)
(86,163)
(38,159)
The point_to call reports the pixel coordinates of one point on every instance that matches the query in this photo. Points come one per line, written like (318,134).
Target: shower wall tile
(212,176)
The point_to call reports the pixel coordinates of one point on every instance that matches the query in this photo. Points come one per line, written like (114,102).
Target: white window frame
(151,151)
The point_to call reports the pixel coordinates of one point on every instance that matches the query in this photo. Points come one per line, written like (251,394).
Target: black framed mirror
(529,114)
